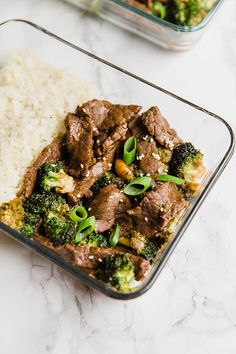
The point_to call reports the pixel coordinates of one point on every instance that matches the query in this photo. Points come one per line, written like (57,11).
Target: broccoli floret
(39,203)
(12,213)
(184,11)
(143,246)
(58,229)
(191,12)
(105,180)
(186,162)
(29,225)
(165,154)
(116,271)
(52,176)
(95,240)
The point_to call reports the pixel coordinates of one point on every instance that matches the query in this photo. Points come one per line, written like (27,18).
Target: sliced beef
(82,186)
(98,110)
(108,150)
(155,211)
(106,116)
(117,135)
(159,128)
(79,139)
(50,154)
(110,203)
(119,115)
(149,160)
(90,257)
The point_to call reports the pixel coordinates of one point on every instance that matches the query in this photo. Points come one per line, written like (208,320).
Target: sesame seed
(140,157)
(90,257)
(148,174)
(89,208)
(151,140)
(87,174)
(98,141)
(104,158)
(99,259)
(156,156)
(121,200)
(161,209)
(146,219)
(81,165)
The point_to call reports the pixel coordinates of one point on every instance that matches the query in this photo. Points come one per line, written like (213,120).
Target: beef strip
(148,159)
(90,257)
(103,165)
(82,186)
(119,115)
(98,110)
(110,203)
(79,138)
(106,116)
(159,128)
(50,154)
(155,211)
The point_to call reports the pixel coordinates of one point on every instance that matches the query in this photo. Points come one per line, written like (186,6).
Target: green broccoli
(52,176)
(39,203)
(29,224)
(95,240)
(190,12)
(165,154)
(58,229)
(143,246)
(105,180)
(186,163)
(12,213)
(116,271)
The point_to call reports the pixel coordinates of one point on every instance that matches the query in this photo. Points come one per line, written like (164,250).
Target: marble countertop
(191,309)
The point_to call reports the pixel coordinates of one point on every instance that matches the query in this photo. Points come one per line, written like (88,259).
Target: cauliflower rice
(34,99)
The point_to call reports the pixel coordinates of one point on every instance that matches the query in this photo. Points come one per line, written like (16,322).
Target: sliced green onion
(78,214)
(159,9)
(138,186)
(85,228)
(114,236)
(130,148)
(169,178)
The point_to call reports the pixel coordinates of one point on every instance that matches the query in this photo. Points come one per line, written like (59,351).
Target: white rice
(34,99)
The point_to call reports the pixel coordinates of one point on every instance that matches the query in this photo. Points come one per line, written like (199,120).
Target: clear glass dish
(161,32)
(204,129)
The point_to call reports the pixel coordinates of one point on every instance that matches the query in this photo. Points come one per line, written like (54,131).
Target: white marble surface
(192,308)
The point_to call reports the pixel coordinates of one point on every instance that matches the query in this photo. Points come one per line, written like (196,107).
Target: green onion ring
(169,178)
(138,186)
(78,214)
(85,228)
(130,148)
(158,9)
(114,236)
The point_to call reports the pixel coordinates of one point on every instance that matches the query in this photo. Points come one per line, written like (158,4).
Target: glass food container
(193,124)
(161,32)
